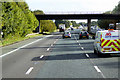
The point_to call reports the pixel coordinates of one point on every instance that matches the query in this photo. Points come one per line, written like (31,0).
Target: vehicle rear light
(87,34)
(80,34)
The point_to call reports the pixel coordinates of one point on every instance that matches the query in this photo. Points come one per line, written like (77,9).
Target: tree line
(105,23)
(45,25)
(18,21)
(67,23)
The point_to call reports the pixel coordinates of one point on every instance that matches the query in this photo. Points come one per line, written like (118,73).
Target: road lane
(64,59)
(67,60)
(20,61)
(109,66)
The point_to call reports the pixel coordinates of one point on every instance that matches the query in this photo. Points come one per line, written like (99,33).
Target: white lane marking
(48,49)
(79,44)
(29,70)
(51,44)
(41,56)
(54,42)
(98,70)
(77,41)
(87,55)
(82,47)
(23,46)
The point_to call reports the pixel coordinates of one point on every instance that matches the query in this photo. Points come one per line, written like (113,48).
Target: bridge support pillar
(89,25)
(115,25)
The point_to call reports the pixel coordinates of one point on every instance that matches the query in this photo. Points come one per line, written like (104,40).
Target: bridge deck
(78,16)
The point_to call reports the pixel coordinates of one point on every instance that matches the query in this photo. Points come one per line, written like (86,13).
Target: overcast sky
(72,5)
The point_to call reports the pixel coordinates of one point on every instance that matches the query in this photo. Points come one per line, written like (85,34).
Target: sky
(72,6)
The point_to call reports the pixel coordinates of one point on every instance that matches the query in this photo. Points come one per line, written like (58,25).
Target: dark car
(84,34)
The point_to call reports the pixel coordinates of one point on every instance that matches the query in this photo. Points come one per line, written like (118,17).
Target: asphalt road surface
(53,57)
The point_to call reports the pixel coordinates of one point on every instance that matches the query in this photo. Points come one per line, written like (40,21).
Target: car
(83,34)
(66,34)
(72,28)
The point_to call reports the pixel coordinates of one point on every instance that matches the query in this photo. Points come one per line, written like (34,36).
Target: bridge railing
(74,12)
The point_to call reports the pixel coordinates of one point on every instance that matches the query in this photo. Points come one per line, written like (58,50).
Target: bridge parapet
(75,12)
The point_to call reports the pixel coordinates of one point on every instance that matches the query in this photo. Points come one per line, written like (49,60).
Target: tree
(37,12)
(94,23)
(116,10)
(17,19)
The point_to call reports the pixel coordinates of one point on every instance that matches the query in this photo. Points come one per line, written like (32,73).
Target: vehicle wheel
(79,37)
(99,54)
(107,55)
(95,51)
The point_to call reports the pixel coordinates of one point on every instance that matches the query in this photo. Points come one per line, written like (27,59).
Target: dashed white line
(82,48)
(41,56)
(51,44)
(87,55)
(77,41)
(79,44)
(29,70)
(98,70)
(54,42)
(48,49)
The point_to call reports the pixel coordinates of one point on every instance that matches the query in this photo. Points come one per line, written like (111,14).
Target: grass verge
(15,40)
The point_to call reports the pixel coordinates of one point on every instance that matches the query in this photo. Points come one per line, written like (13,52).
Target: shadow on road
(68,57)
(61,57)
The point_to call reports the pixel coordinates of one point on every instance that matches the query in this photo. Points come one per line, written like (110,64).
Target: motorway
(53,57)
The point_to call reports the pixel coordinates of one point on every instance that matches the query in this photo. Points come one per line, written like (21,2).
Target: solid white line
(41,56)
(23,46)
(48,49)
(87,55)
(98,70)
(82,48)
(29,70)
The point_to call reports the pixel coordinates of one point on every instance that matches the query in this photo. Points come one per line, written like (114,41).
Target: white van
(107,42)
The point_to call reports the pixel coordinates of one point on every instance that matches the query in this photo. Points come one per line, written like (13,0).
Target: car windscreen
(84,32)
(66,32)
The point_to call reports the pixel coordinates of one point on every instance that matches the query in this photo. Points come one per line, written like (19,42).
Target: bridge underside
(78,16)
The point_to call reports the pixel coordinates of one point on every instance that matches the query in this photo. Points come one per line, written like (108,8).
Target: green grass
(17,39)
(14,40)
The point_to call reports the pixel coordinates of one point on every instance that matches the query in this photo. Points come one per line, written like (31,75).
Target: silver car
(66,34)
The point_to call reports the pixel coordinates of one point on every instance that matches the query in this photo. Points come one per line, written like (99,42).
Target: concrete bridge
(78,16)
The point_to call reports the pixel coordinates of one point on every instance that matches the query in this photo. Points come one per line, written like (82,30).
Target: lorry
(61,27)
(107,42)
